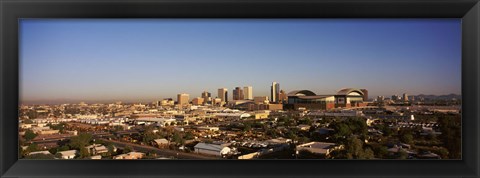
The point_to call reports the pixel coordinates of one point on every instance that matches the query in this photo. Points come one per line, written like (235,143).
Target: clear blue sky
(146,60)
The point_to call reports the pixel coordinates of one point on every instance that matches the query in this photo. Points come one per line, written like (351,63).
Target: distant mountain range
(439,97)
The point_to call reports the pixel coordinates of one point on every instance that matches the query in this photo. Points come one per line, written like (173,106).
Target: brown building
(271,107)
(207,97)
(261,100)
(238,94)
(198,101)
(282,97)
(182,99)
(223,94)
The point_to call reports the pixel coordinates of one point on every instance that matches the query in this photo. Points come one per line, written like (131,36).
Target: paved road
(164,152)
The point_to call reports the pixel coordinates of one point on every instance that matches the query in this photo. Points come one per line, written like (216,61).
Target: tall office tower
(207,97)
(275,91)
(395,97)
(182,99)
(226,97)
(248,92)
(223,94)
(380,98)
(238,94)
(206,94)
(365,94)
(282,97)
(405,97)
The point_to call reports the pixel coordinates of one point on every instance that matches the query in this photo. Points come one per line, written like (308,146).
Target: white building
(97,149)
(158,121)
(207,128)
(131,155)
(211,149)
(232,115)
(70,154)
(248,92)
(161,142)
(40,152)
(318,147)
(96,157)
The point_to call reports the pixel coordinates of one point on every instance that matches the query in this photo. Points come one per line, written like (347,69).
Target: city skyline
(147,60)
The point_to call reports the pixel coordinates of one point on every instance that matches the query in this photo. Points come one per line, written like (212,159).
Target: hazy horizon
(147,60)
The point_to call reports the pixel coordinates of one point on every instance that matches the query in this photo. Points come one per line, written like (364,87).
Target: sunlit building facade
(345,98)
(183,98)
(248,92)
(223,94)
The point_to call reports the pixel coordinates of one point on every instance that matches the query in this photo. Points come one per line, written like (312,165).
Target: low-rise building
(198,101)
(69,154)
(96,157)
(207,128)
(212,149)
(40,152)
(237,115)
(48,132)
(161,142)
(261,115)
(130,155)
(96,149)
(318,147)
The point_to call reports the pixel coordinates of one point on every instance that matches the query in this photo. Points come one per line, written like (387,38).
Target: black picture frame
(12,10)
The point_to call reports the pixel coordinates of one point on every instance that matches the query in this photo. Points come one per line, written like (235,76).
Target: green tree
(80,141)
(53,150)
(84,153)
(354,149)
(303,139)
(40,156)
(31,148)
(272,133)
(59,127)
(305,154)
(380,151)
(406,138)
(127,149)
(247,126)
(189,135)
(28,121)
(402,154)
(450,126)
(178,138)
(111,149)
(387,131)
(29,135)
(63,148)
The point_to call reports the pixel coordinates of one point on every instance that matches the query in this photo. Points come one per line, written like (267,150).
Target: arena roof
(301,93)
(347,91)
(315,97)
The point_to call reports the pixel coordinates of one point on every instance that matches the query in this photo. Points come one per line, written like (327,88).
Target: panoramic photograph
(243,89)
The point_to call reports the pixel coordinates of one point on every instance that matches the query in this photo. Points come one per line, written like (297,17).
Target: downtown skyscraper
(238,93)
(274,91)
(248,92)
(223,94)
